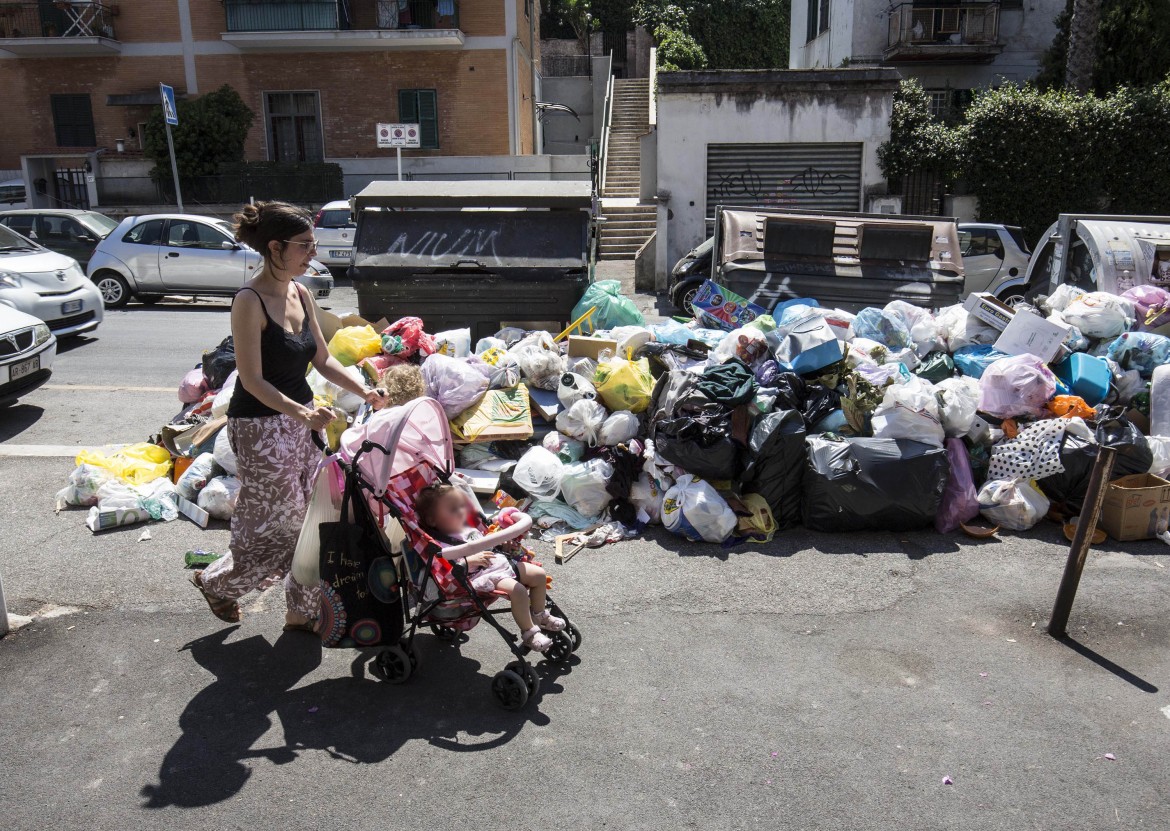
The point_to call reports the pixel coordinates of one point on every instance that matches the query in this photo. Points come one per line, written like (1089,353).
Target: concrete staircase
(627,224)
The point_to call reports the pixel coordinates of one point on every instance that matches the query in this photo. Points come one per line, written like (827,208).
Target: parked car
(13,195)
(150,256)
(27,349)
(47,285)
(689,273)
(993,257)
(335,229)
(72,233)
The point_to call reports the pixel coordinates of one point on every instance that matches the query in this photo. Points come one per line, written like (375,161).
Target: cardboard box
(1136,507)
(985,307)
(1029,334)
(717,307)
(580,347)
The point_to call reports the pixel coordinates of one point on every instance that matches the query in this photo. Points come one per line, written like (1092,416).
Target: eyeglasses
(311,245)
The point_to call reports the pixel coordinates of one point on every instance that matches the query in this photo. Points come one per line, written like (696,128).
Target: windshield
(12,241)
(100,223)
(703,247)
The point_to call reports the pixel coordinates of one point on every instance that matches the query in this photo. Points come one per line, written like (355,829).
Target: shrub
(211,132)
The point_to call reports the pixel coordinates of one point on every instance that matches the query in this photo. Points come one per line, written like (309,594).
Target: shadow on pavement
(68,344)
(16,419)
(352,719)
(1107,665)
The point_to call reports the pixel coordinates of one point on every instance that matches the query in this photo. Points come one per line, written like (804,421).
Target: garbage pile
(739,423)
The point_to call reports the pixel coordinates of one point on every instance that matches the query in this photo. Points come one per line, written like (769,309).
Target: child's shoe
(535,640)
(547,621)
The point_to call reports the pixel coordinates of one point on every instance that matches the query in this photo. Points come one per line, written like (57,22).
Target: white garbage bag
(455,343)
(453,383)
(619,428)
(583,486)
(958,328)
(196,477)
(566,449)
(958,399)
(909,411)
(645,495)
(1016,505)
(582,421)
(539,473)
(219,497)
(924,330)
(84,484)
(1099,314)
(335,395)
(540,360)
(219,404)
(225,457)
(693,509)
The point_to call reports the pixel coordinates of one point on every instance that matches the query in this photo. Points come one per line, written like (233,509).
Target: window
(979,242)
(187,233)
(22,224)
(940,102)
(10,194)
(421,107)
(294,127)
(336,219)
(145,233)
(61,229)
(73,120)
(818,18)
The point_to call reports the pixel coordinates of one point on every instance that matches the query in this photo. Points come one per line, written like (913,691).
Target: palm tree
(1082,45)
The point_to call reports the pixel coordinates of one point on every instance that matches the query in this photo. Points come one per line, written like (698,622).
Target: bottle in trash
(1160,402)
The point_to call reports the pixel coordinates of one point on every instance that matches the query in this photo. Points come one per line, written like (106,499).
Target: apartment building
(951,47)
(79,78)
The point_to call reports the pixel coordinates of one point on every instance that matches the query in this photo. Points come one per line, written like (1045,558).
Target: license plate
(71,307)
(24,368)
(339,255)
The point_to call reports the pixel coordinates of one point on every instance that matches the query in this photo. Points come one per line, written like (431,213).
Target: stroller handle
(518,529)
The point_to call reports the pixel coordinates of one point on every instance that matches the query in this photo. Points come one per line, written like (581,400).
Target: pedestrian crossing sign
(170,113)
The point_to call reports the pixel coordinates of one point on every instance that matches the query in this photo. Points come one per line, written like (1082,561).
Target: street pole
(1078,552)
(399,149)
(175,168)
(3,611)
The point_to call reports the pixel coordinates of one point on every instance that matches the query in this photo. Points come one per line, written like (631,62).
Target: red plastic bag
(407,337)
(959,503)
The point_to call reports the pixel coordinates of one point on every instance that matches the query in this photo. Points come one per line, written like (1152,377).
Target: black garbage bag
(1133,451)
(775,464)
(701,443)
(813,401)
(219,363)
(1067,489)
(868,484)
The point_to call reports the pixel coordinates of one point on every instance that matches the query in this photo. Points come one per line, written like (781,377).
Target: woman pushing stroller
(443,512)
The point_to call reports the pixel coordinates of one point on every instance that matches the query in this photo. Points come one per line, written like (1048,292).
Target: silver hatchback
(148,257)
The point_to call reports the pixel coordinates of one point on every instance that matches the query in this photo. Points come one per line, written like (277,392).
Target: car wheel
(683,296)
(114,290)
(1014,296)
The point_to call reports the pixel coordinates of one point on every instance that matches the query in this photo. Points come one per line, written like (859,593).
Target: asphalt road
(819,682)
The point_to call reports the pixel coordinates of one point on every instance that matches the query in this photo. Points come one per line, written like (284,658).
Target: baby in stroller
(443,512)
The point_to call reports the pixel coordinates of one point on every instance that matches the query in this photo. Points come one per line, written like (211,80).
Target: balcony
(58,28)
(956,32)
(343,25)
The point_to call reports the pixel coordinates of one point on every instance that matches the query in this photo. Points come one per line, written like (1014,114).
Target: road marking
(97,388)
(51,451)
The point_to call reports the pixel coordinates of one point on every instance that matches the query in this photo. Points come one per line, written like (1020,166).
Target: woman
(271,415)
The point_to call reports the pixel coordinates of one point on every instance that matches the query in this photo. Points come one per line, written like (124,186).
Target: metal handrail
(61,19)
(964,23)
(653,87)
(604,157)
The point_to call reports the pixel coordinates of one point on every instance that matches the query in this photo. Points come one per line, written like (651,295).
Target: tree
(212,131)
(578,15)
(1133,46)
(727,34)
(1082,45)
(918,141)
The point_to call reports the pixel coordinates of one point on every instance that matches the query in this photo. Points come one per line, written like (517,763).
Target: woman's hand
(377,398)
(317,419)
(478,561)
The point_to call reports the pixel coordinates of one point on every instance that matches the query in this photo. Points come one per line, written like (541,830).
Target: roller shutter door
(804,176)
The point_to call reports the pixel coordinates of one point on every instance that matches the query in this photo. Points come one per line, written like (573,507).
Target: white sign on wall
(399,135)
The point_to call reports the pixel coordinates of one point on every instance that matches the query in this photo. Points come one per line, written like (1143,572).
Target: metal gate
(71,191)
(922,193)
(819,176)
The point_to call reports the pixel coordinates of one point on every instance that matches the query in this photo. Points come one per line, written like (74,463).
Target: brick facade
(357,89)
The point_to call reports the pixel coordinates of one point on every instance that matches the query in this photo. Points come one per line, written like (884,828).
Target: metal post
(1079,550)
(399,149)
(174,169)
(3,611)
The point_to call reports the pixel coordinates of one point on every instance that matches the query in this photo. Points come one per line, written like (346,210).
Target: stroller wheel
(445,633)
(574,635)
(561,649)
(393,665)
(510,690)
(525,671)
(411,652)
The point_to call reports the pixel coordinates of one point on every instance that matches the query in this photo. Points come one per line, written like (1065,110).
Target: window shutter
(73,120)
(408,106)
(428,117)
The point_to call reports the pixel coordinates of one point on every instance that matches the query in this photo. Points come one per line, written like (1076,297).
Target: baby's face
(450,514)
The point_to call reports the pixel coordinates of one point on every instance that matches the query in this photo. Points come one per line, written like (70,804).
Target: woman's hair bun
(263,222)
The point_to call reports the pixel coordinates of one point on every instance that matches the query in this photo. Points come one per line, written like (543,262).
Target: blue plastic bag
(975,359)
(1143,351)
(882,326)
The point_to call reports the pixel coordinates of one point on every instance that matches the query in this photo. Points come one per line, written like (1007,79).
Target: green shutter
(408,106)
(428,117)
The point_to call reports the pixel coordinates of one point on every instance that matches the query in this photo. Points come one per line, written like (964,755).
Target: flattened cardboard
(580,347)
(1029,334)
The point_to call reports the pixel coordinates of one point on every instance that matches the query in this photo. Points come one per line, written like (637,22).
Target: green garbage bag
(612,308)
(935,367)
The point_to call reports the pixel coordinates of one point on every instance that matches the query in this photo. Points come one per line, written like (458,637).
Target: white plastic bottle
(1160,402)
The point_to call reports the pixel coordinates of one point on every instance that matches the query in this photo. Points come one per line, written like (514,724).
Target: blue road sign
(170,112)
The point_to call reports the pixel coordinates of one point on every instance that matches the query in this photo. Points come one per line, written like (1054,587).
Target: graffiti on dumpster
(470,244)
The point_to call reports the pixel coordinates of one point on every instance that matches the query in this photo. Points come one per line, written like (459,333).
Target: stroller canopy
(406,436)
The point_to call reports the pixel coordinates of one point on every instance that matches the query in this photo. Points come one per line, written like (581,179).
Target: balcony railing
(57,19)
(339,15)
(956,24)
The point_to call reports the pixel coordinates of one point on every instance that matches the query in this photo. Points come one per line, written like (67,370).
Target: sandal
(226,610)
(535,640)
(547,621)
(309,626)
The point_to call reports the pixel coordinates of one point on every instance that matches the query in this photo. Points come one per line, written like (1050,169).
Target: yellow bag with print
(353,344)
(756,523)
(136,464)
(624,385)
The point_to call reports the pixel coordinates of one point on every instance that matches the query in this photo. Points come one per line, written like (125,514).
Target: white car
(47,285)
(27,349)
(13,195)
(334,231)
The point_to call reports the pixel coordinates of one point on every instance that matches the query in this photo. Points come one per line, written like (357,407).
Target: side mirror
(228,245)
(87,240)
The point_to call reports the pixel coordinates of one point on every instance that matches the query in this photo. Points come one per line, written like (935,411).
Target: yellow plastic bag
(136,464)
(756,522)
(624,385)
(352,344)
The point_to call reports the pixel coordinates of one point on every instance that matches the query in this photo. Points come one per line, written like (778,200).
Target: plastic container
(1160,402)
(1086,376)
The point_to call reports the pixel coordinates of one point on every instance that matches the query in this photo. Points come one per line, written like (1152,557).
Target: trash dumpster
(845,260)
(1100,253)
(476,254)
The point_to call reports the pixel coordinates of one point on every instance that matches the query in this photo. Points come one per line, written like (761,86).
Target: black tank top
(284,360)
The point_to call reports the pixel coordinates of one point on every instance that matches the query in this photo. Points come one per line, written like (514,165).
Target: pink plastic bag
(193,385)
(1016,386)
(1152,306)
(959,503)
(407,337)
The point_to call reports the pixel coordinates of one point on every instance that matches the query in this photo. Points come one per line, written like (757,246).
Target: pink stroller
(392,457)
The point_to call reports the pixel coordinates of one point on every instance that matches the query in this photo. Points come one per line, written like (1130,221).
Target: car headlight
(10,280)
(41,333)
